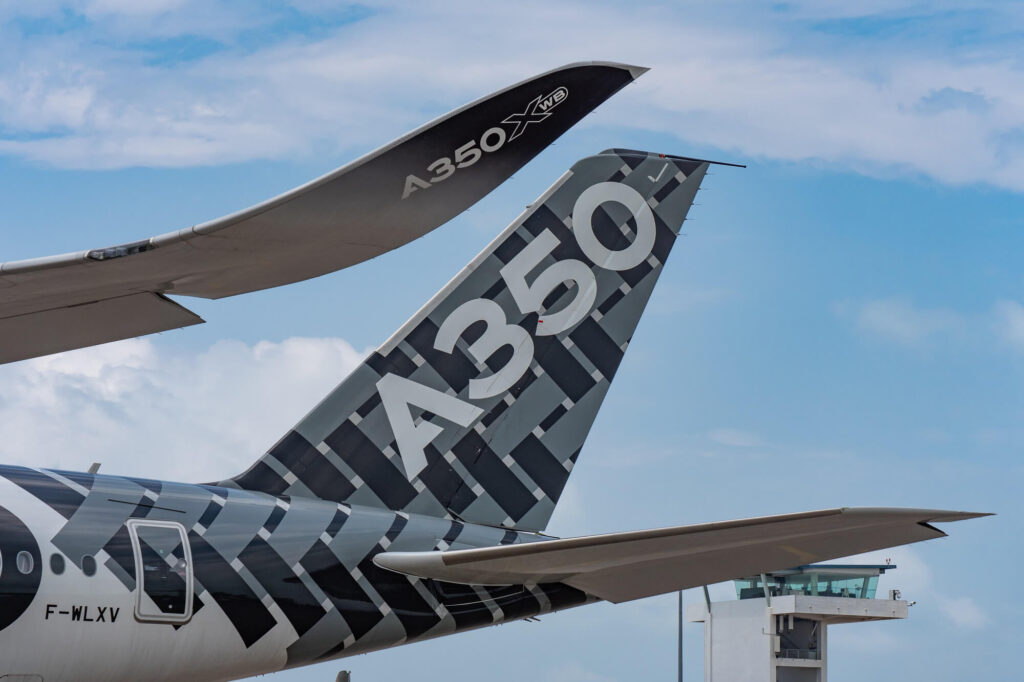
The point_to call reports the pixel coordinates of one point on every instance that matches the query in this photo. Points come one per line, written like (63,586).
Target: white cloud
(763,86)
(915,581)
(1010,323)
(963,611)
(899,320)
(130,7)
(734,438)
(144,411)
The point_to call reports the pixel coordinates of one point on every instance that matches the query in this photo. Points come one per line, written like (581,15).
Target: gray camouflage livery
(500,459)
(438,441)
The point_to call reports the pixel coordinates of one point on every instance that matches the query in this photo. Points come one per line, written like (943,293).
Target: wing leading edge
(361,210)
(623,566)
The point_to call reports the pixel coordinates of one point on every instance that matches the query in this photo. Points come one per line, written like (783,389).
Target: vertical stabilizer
(477,408)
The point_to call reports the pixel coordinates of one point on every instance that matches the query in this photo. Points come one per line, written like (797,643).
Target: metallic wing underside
(623,566)
(368,207)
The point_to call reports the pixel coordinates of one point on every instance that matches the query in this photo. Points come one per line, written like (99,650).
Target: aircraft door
(163,571)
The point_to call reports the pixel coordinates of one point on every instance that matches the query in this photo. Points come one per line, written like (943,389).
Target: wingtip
(947,516)
(920,515)
(636,71)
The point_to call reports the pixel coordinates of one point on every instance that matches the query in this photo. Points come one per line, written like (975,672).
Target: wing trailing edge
(53,331)
(624,566)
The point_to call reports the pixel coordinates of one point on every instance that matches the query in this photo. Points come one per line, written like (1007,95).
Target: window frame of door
(140,585)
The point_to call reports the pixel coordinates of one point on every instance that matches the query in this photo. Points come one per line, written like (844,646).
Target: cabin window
(24,562)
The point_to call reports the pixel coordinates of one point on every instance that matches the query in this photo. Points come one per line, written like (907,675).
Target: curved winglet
(375,204)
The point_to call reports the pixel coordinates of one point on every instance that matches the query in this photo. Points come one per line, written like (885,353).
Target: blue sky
(843,323)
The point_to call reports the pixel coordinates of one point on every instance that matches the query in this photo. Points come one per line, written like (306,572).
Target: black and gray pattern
(283,555)
(509,466)
(301,567)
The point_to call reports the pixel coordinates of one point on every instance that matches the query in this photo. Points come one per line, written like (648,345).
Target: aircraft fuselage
(111,578)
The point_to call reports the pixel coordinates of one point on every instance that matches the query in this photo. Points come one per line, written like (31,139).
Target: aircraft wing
(624,566)
(368,207)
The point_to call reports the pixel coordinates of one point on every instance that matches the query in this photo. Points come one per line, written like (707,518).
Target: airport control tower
(777,628)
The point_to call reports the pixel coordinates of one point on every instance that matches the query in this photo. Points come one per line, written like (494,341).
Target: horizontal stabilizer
(623,566)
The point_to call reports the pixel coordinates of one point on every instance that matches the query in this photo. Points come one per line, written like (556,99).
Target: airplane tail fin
(477,408)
